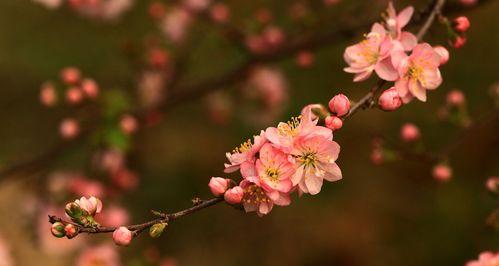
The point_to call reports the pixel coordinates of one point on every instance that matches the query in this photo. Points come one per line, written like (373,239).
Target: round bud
(339,105)
(57,229)
(390,100)
(333,122)
(122,236)
(234,195)
(157,229)
(442,172)
(409,133)
(71,231)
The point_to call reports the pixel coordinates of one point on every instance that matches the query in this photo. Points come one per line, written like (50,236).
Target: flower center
(245,146)
(415,72)
(255,195)
(272,174)
(308,159)
(289,128)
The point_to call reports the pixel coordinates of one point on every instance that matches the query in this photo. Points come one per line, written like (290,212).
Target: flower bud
(74,95)
(48,95)
(157,229)
(459,42)
(71,231)
(69,128)
(220,13)
(91,205)
(73,210)
(409,133)
(339,105)
(333,122)
(57,229)
(493,184)
(122,236)
(305,59)
(443,53)
(390,100)
(318,111)
(461,24)
(377,157)
(218,185)
(128,124)
(442,172)
(70,75)
(234,195)
(90,88)
(455,98)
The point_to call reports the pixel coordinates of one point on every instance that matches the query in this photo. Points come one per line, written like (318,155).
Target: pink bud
(333,122)
(409,133)
(128,124)
(69,128)
(339,105)
(461,24)
(234,195)
(459,42)
(125,179)
(74,95)
(90,88)
(256,44)
(158,57)
(377,157)
(70,230)
(493,184)
(220,13)
(218,185)
(390,100)
(48,95)
(455,98)
(442,172)
(122,236)
(305,59)
(443,53)
(273,35)
(70,75)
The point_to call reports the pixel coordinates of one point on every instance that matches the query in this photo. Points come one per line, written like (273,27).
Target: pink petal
(379,29)
(408,40)
(399,61)
(404,16)
(385,70)
(362,76)
(432,78)
(333,172)
(417,90)
(313,183)
(402,86)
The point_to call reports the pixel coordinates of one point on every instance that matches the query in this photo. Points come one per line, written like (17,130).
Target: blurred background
(145,56)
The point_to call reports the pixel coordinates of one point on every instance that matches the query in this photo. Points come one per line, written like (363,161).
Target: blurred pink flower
(5,254)
(270,84)
(373,54)
(274,36)
(196,5)
(305,59)
(70,75)
(315,158)
(74,95)
(128,124)
(125,179)
(175,24)
(102,255)
(114,216)
(83,187)
(48,94)
(157,10)
(220,13)
(455,98)
(442,172)
(50,4)
(151,88)
(492,184)
(485,258)
(418,72)
(69,128)
(468,2)
(90,88)
(409,132)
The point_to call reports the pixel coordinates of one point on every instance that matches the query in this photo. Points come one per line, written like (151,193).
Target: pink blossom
(263,15)
(175,24)
(70,75)
(285,134)
(218,185)
(158,57)
(390,100)
(271,85)
(459,42)
(373,54)
(234,195)
(128,124)
(220,13)
(395,23)
(255,199)
(409,132)
(315,157)
(91,205)
(272,172)
(196,5)
(305,59)
(90,88)
(377,157)
(418,72)
(256,44)
(48,94)
(125,179)
(339,105)
(443,53)
(151,88)
(273,35)
(442,172)
(455,98)
(74,95)
(105,255)
(122,236)
(114,216)
(333,122)
(113,9)
(461,24)
(110,160)
(492,184)
(245,153)
(485,258)
(5,253)
(69,128)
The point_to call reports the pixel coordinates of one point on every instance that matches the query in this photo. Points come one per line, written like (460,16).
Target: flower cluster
(485,258)
(294,156)
(396,56)
(81,212)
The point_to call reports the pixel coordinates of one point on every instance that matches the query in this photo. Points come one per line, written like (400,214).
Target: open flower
(245,153)
(372,54)
(418,72)
(284,134)
(315,158)
(91,205)
(274,170)
(256,200)
(394,24)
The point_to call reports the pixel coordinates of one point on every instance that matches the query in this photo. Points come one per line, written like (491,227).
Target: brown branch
(437,6)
